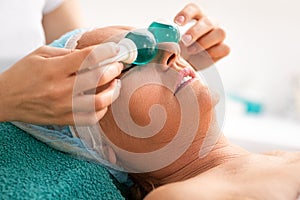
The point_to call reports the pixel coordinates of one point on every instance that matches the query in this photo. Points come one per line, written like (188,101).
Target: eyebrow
(128,67)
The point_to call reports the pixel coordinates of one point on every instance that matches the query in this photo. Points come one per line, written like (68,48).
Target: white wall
(138,13)
(264,36)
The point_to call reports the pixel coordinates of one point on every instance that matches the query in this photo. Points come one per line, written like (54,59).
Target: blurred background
(261,76)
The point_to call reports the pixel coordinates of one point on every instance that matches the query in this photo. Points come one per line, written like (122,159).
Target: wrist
(5,102)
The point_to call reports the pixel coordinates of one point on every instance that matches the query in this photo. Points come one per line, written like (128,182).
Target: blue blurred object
(251,106)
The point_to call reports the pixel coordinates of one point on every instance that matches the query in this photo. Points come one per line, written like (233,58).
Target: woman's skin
(268,176)
(226,172)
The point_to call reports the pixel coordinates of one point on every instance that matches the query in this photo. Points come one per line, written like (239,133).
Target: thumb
(91,56)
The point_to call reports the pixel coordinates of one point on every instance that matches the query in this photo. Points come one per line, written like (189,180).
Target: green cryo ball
(146,45)
(164,32)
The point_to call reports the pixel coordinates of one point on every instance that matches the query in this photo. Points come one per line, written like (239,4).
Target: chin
(206,98)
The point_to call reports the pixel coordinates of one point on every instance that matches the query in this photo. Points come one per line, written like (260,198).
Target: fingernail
(121,67)
(187,39)
(180,20)
(117,90)
(119,83)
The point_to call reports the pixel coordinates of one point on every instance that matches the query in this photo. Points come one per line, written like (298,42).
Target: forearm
(65,18)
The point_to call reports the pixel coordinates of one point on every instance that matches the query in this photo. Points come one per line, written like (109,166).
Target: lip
(185,73)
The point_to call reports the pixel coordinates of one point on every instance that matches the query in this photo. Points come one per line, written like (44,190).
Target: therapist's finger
(198,30)
(189,12)
(216,36)
(97,77)
(48,51)
(209,40)
(97,102)
(90,56)
(218,51)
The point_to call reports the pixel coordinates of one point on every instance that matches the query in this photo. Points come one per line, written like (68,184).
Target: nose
(167,54)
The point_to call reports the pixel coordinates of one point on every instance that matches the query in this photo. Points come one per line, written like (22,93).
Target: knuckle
(99,103)
(208,22)
(193,6)
(99,75)
(57,101)
(86,51)
(101,114)
(83,56)
(104,74)
(55,93)
(90,59)
(52,93)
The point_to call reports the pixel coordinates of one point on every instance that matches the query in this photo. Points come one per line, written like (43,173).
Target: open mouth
(186,75)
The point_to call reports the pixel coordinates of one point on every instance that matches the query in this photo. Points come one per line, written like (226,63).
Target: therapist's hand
(203,43)
(40,88)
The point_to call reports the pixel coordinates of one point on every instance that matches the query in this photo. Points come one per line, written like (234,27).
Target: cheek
(206,108)
(140,105)
(147,96)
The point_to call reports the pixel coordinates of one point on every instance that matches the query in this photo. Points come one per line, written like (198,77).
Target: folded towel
(29,169)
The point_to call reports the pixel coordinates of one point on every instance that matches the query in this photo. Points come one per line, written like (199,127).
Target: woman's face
(163,111)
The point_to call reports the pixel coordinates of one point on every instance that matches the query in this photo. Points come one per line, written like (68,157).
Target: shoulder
(177,191)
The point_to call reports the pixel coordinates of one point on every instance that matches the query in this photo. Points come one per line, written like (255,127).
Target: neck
(191,165)
(221,153)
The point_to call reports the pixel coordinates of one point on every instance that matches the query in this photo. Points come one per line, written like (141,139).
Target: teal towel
(29,169)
